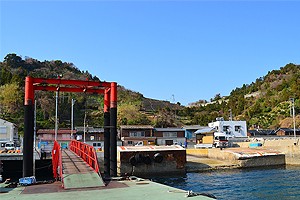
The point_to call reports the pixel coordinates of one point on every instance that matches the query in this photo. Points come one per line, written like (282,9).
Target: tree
(13,60)
(5,76)
(10,98)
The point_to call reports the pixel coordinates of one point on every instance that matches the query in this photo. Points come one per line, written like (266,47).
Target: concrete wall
(216,153)
(263,161)
(197,152)
(284,145)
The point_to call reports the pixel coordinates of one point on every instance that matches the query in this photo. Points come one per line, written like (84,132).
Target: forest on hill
(265,103)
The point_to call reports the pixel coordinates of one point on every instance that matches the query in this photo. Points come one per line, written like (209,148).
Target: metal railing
(86,152)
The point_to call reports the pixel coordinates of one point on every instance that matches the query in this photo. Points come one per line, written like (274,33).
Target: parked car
(10,146)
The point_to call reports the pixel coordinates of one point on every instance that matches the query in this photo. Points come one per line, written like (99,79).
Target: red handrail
(86,152)
(56,160)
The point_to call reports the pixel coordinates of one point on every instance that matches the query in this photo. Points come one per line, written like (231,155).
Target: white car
(10,146)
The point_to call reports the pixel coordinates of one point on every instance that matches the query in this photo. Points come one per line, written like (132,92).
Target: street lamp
(293,112)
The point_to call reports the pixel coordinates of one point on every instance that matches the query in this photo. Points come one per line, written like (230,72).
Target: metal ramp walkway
(76,173)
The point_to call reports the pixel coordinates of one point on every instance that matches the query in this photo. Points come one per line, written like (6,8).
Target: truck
(220,140)
(212,139)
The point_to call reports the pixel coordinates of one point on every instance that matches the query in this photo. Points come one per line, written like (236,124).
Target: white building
(8,131)
(231,128)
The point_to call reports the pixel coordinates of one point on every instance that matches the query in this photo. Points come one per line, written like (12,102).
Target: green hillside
(263,103)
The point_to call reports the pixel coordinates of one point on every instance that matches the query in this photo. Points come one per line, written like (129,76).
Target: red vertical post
(113,129)
(28,128)
(107,133)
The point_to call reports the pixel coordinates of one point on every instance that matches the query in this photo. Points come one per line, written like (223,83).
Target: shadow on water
(13,169)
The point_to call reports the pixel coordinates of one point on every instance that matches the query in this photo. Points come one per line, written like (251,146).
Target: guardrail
(86,152)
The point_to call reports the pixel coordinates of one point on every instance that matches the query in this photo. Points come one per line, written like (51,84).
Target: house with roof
(287,131)
(260,132)
(45,138)
(49,135)
(131,135)
(94,136)
(170,136)
(8,132)
(190,132)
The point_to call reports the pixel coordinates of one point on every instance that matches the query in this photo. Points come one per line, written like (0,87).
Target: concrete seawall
(207,159)
(283,145)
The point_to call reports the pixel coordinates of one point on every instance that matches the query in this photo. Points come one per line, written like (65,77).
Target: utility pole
(293,112)
(84,126)
(34,137)
(230,115)
(72,117)
(56,113)
(56,108)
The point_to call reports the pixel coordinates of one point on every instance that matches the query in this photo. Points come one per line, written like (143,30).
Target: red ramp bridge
(77,167)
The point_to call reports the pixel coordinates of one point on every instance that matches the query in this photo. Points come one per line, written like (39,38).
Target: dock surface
(77,173)
(119,190)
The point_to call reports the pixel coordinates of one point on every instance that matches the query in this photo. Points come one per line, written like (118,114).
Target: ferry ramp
(77,166)
(76,173)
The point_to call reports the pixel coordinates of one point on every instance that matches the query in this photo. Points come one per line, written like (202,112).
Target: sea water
(262,183)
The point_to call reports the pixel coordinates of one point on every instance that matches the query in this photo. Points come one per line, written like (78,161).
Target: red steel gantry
(109,89)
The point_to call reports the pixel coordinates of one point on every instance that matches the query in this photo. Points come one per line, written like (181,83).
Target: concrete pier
(208,159)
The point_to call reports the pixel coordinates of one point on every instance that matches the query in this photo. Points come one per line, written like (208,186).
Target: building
(93,136)
(49,135)
(190,132)
(287,132)
(236,129)
(170,136)
(132,135)
(259,132)
(8,132)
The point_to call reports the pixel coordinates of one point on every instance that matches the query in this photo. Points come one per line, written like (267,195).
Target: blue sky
(190,49)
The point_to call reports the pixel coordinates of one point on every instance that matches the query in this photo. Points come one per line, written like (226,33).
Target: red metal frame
(97,87)
(109,89)
(86,152)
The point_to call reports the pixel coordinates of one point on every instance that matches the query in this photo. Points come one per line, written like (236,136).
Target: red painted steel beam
(29,91)
(113,95)
(68,89)
(72,82)
(106,100)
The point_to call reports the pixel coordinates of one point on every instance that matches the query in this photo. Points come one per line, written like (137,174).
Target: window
(169,142)
(96,144)
(130,142)
(225,128)
(92,137)
(137,134)
(237,128)
(169,134)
